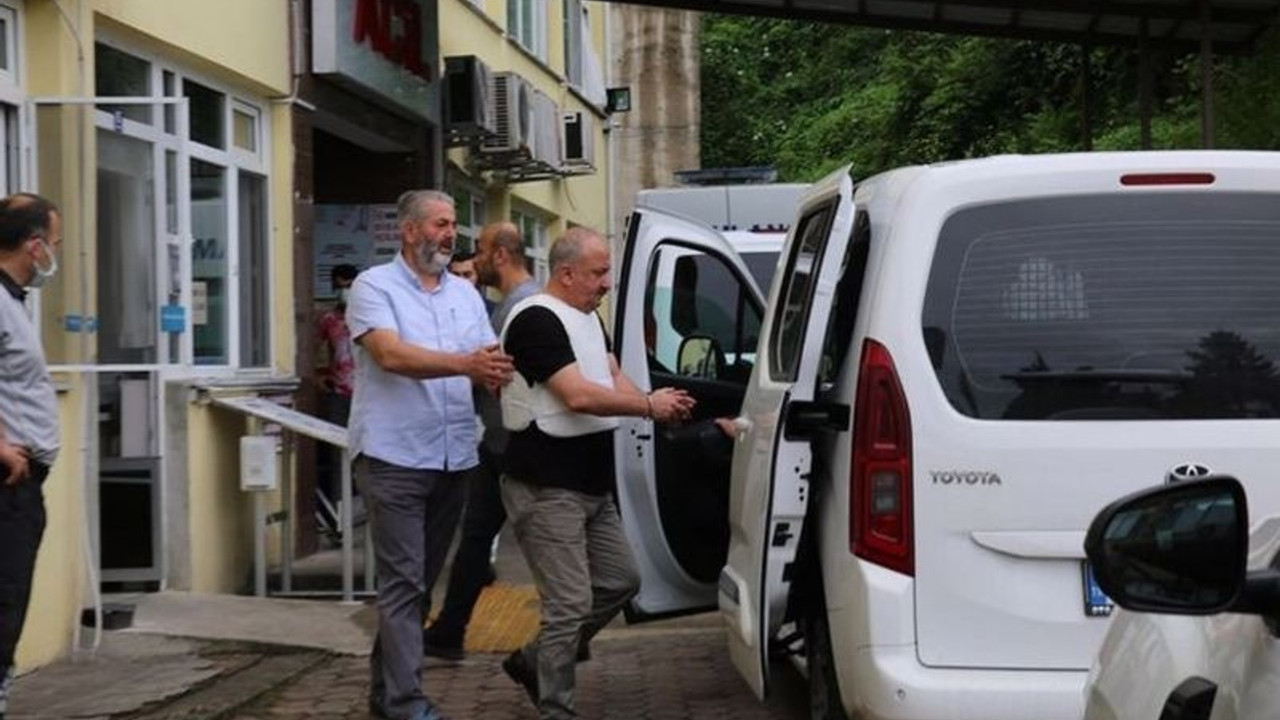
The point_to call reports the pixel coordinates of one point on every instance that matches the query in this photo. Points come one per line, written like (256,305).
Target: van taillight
(880,481)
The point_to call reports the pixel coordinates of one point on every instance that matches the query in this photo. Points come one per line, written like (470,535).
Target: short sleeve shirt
(539,345)
(337,339)
(420,424)
(28,402)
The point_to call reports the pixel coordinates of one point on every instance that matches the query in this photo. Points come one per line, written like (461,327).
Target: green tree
(807,98)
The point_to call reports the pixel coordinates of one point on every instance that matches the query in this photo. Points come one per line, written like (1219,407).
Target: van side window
(835,343)
(787,340)
(696,295)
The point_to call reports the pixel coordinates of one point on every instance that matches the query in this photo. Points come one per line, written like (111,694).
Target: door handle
(741,425)
(804,418)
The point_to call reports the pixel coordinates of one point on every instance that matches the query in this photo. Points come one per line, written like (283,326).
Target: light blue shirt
(421,424)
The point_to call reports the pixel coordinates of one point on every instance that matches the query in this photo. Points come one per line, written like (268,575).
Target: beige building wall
(60,578)
(655,51)
(243,44)
(481,29)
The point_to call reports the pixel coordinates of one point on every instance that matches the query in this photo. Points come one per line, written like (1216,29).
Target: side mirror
(1173,549)
(700,356)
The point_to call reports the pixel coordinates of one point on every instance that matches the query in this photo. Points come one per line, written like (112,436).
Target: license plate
(1096,602)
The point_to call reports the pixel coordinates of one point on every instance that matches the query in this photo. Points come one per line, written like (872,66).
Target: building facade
(655,52)
(213,161)
(540,158)
(163,132)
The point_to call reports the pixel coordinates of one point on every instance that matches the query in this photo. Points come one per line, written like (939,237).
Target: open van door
(687,314)
(772,456)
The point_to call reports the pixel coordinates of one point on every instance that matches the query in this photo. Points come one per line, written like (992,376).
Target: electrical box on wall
(259,470)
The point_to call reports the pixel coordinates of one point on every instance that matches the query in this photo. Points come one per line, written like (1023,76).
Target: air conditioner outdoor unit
(512,116)
(467,108)
(546,132)
(578,141)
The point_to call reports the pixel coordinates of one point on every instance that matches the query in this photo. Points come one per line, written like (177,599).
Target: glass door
(114,321)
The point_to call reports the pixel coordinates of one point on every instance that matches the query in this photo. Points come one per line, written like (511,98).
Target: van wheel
(824,691)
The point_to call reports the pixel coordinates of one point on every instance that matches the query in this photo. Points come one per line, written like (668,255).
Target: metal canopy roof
(1233,25)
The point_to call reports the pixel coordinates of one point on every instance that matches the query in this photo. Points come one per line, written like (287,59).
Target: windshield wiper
(1132,375)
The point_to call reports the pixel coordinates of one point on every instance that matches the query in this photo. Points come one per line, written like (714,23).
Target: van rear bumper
(889,683)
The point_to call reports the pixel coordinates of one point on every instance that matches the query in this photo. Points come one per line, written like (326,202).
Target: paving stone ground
(660,675)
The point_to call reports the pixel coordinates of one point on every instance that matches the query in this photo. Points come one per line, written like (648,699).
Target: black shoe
(584,651)
(519,671)
(376,710)
(437,646)
(451,652)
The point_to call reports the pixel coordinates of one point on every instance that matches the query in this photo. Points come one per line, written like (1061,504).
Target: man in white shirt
(422,340)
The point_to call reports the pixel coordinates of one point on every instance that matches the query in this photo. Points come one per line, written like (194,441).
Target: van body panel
(889,684)
(655,517)
(1000,561)
(998,503)
(772,465)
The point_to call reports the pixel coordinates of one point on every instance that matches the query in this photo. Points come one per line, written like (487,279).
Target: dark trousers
(481,521)
(414,515)
(22,522)
(584,573)
(335,408)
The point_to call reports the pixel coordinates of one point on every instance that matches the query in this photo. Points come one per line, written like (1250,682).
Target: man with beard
(561,410)
(422,339)
(500,264)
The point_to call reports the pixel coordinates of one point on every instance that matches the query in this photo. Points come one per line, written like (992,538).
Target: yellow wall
(283,332)
(245,44)
(221,516)
(55,594)
(581,199)
(249,38)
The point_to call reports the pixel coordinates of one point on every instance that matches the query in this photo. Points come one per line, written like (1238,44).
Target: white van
(958,365)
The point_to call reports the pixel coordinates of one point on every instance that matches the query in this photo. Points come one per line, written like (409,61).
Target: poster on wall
(360,235)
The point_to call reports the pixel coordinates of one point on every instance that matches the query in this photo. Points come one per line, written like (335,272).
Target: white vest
(523,403)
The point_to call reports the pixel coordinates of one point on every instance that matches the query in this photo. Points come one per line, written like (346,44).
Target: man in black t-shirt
(561,409)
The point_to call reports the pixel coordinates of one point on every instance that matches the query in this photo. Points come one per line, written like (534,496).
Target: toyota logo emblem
(1187,471)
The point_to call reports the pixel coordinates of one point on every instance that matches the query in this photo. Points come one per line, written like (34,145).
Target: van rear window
(1123,307)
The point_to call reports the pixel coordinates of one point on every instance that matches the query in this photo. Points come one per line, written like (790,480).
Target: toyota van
(956,366)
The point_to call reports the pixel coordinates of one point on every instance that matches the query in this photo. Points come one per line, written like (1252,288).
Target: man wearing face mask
(337,375)
(422,340)
(30,233)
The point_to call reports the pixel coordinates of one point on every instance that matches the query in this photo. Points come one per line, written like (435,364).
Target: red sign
(394,29)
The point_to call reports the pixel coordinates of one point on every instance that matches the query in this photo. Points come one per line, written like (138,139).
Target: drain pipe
(88,378)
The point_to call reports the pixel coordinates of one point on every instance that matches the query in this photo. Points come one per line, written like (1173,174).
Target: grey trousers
(582,567)
(414,515)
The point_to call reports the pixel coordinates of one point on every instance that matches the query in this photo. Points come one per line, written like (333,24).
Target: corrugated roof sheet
(1232,25)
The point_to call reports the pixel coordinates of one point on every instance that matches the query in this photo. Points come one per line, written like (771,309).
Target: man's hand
(15,461)
(670,405)
(489,367)
(727,427)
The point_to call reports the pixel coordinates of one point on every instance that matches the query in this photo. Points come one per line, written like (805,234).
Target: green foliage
(808,98)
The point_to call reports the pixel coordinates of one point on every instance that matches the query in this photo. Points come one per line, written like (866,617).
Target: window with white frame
(574,27)
(469,206)
(8,44)
(183,217)
(527,25)
(537,244)
(11,97)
